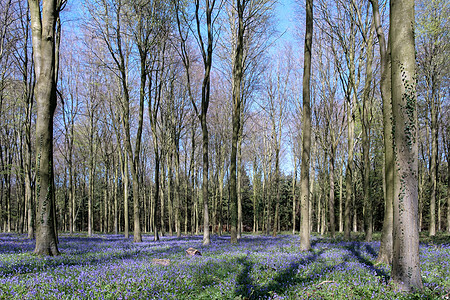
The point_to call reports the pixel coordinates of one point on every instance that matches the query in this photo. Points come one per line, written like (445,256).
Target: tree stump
(193,252)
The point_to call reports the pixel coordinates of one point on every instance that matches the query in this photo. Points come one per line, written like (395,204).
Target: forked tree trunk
(406,264)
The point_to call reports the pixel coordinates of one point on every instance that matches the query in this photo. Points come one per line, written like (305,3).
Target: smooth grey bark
(45,27)
(385,253)
(305,234)
(406,273)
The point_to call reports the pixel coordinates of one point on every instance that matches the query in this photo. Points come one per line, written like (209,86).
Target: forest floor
(258,267)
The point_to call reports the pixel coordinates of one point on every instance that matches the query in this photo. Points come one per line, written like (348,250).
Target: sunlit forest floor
(259,267)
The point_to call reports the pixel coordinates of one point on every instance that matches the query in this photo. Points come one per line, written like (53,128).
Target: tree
(406,264)
(305,244)
(211,9)
(385,253)
(238,74)
(46,29)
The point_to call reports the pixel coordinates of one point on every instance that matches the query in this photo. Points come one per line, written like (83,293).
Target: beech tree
(46,29)
(305,244)
(406,264)
(385,253)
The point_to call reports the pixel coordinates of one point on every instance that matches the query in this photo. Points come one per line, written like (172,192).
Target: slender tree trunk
(125,194)
(406,264)
(177,193)
(305,244)
(368,217)
(385,253)
(448,188)
(156,224)
(237,102)
(341,221)
(205,189)
(28,144)
(331,196)
(294,196)
(162,186)
(92,163)
(239,183)
(169,193)
(433,164)
(277,189)
(349,171)
(116,204)
(206,90)
(28,176)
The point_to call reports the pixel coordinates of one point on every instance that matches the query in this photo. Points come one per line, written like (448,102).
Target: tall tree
(385,253)
(207,53)
(406,264)
(238,74)
(305,244)
(46,29)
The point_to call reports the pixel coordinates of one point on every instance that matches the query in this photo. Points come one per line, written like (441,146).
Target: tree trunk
(433,163)
(156,224)
(237,102)
(341,220)
(177,193)
(406,264)
(349,171)
(28,143)
(169,193)
(239,182)
(368,217)
(331,196)
(448,188)
(125,194)
(294,195)
(45,38)
(305,244)
(116,205)
(385,253)
(162,187)
(92,166)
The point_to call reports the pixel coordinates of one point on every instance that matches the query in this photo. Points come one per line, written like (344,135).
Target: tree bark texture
(45,40)
(236,122)
(406,264)
(385,253)
(305,244)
